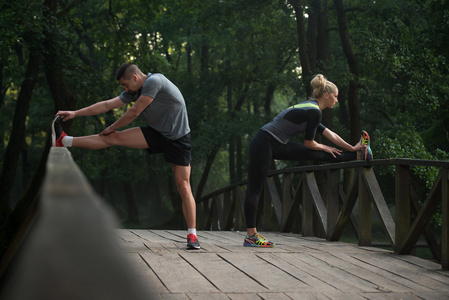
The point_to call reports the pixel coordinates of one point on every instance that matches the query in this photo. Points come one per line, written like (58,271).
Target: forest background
(237,63)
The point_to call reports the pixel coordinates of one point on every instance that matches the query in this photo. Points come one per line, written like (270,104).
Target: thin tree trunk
(209,161)
(302,45)
(12,152)
(353,101)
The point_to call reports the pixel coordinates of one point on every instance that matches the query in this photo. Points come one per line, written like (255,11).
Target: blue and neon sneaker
(257,241)
(367,153)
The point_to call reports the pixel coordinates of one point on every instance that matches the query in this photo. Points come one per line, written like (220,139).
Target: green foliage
(405,142)
(237,65)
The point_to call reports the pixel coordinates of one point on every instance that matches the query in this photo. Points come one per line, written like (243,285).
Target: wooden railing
(294,197)
(71,251)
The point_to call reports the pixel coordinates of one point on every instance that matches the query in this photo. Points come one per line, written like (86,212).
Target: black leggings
(262,149)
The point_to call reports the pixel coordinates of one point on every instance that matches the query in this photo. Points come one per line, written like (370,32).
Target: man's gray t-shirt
(167,113)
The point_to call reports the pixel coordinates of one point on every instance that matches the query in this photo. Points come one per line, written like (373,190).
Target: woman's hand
(333,151)
(358,146)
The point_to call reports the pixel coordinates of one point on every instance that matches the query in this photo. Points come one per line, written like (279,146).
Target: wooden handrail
(326,216)
(72,251)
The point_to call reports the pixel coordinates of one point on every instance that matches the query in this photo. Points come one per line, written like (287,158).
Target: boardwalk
(297,268)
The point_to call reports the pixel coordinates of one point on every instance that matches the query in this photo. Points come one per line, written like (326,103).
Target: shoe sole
(191,247)
(257,246)
(53,133)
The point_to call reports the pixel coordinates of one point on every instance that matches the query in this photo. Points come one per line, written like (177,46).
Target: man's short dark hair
(126,70)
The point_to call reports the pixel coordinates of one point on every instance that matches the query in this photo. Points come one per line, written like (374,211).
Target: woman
(272,142)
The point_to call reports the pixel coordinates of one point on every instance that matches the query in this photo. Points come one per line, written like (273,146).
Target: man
(162,105)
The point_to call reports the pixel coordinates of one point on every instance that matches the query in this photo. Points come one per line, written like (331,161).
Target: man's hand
(66,114)
(107,131)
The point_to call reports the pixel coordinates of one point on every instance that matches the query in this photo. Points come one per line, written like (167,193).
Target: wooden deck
(297,268)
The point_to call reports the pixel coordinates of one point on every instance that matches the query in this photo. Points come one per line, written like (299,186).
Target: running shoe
(192,242)
(57,133)
(366,153)
(257,241)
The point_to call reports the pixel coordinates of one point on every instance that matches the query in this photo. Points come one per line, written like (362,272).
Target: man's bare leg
(131,138)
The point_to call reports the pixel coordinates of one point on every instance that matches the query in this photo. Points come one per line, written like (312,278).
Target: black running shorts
(176,152)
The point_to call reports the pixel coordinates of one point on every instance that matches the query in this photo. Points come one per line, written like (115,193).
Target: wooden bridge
(296,268)
(75,251)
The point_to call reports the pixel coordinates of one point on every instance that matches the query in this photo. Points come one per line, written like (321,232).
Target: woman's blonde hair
(321,85)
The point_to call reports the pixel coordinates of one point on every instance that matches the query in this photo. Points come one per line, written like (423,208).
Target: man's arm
(92,110)
(130,115)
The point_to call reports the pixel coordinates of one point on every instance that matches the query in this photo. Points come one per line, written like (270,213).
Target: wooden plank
(413,279)
(293,267)
(358,270)
(344,280)
(239,209)
(276,201)
(229,208)
(267,275)
(317,201)
(146,275)
(287,181)
(422,219)
(177,275)
(295,208)
(398,296)
(310,296)
(307,207)
(417,274)
(396,283)
(332,206)
(245,296)
(223,275)
(365,224)
(431,240)
(445,218)
(402,201)
(345,212)
(380,204)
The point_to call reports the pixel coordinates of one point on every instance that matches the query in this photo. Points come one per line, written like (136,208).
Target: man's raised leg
(131,138)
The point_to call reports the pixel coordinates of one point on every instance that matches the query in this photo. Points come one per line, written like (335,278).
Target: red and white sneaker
(192,242)
(57,133)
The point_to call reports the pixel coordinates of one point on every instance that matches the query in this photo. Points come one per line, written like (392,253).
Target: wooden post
(286,197)
(333,183)
(445,221)
(365,229)
(307,206)
(402,196)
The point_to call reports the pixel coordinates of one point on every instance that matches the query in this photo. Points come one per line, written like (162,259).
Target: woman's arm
(337,140)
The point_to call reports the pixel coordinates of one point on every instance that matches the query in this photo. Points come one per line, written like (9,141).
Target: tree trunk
(12,152)
(209,161)
(302,45)
(353,101)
